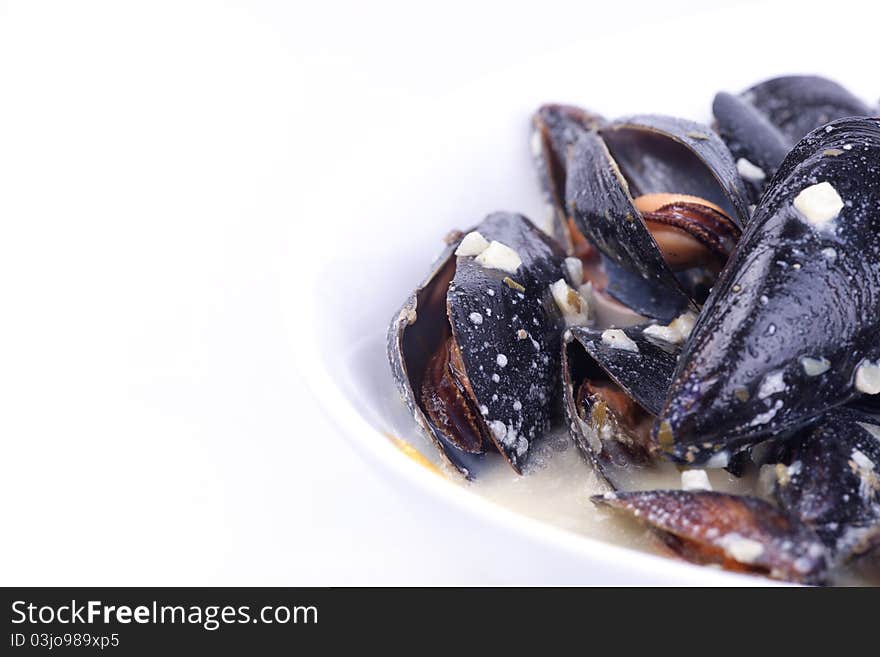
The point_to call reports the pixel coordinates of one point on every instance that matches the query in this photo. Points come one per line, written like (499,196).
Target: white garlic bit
(499,256)
(695,480)
(665,333)
(678,330)
(617,339)
(744,550)
(815,366)
(472,244)
(719,459)
(868,377)
(684,324)
(819,205)
(571,304)
(750,171)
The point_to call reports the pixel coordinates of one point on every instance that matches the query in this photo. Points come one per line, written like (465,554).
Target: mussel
(614,385)
(792,326)
(555,129)
(475,350)
(828,476)
(764,122)
(738,532)
(661,200)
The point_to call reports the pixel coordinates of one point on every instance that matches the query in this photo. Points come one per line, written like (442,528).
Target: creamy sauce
(557,483)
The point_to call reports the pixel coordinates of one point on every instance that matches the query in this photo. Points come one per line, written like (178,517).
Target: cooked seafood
(764,122)
(614,384)
(683,329)
(656,196)
(792,327)
(740,533)
(828,478)
(475,350)
(555,129)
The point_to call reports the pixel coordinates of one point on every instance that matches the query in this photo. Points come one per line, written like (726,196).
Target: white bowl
(413,168)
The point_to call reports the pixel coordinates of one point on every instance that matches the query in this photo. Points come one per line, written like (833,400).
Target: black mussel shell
(637,376)
(757,145)
(603,211)
(829,478)
(867,403)
(646,155)
(738,532)
(666,154)
(792,326)
(764,122)
(798,104)
(507,330)
(555,128)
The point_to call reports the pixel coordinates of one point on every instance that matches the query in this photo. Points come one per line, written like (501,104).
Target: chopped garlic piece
(815,366)
(499,256)
(773,383)
(575,269)
(695,480)
(684,324)
(863,467)
(472,244)
(719,459)
(617,339)
(665,333)
(868,377)
(819,204)
(572,305)
(750,171)
(744,550)
(678,330)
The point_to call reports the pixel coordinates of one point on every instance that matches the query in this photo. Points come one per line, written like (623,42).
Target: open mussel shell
(475,350)
(666,154)
(764,122)
(738,532)
(829,478)
(614,384)
(642,157)
(792,326)
(555,128)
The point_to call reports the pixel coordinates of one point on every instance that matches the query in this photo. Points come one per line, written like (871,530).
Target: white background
(163,163)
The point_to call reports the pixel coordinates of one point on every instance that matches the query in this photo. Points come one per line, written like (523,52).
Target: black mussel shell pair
(657,200)
(475,350)
(822,476)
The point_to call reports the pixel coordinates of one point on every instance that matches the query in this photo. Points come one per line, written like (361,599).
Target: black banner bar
(151,621)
